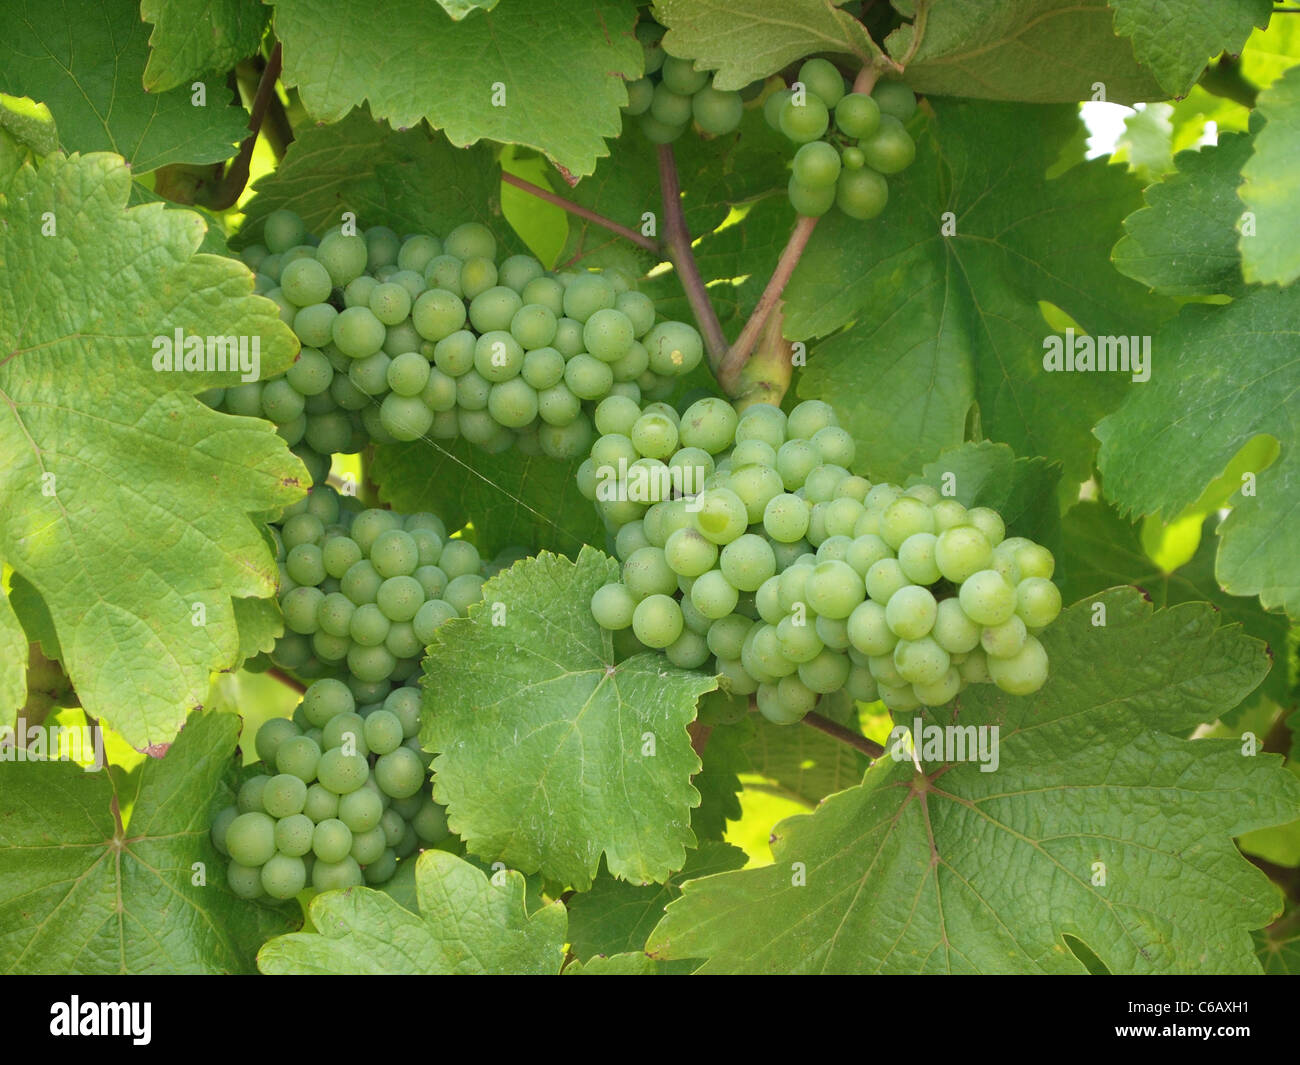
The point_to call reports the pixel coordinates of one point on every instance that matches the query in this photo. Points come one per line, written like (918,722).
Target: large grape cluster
(672,94)
(848,141)
(362,591)
(403,338)
(340,798)
(749,548)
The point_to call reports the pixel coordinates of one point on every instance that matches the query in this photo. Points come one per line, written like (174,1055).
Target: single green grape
(857,115)
(1023,673)
(804,120)
(890,149)
(716,111)
(822,78)
(861,193)
(657,621)
(895,99)
(987,598)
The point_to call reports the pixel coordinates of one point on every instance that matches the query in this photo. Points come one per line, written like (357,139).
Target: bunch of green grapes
(363,591)
(407,338)
(672,94)
(848,141)
(341,797)
(749,547)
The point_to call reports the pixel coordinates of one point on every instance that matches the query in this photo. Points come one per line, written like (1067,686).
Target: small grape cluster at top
(340,797)
(672,94)
(746,541)
(403,338)
(848,141)
(363,591)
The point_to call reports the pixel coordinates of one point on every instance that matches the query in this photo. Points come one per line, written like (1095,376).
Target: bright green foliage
(195,37)
(467,924)
(133,466)
(1184,241)
(533,62)
(751,39)
(541,697)
(1158,451)
(1270,186)
(85,59)
(82,892)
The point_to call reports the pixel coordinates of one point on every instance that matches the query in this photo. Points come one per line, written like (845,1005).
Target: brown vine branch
(579,211)
(286,680)
(735,359)
(677,240)
(237,175)
(838,732)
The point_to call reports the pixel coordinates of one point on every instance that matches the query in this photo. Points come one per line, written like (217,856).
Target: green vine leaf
(550,751)
(945,324)
(86,60)
(744,40)
(1175,39)
(80,893)
(615,916)
(1184,241)
(513,74)
(994,49)
(1100,549)
(130,505)
(384,177)
(1097,824)
(13,662)
(510,499)
(195,37)
(1176,433)
(467,925)
(1270,187)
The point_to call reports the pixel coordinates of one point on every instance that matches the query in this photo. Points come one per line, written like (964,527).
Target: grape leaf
(1101,549)
(805,764)
(1175,39)
(128,502)
(1177,432)
(194,37)
(511,500)
(1184,241)
(958,870)
(467,925)
(744,40)
(1278,945)
(260,624)
(80,893)
(514,74)
(384,177)
(941,324)
(635,963)
(550,752)
(1270,187)
(718,782)
(1045,51)
(615,916)
(1022,491)
(86,60)
(13,662)
(30,123)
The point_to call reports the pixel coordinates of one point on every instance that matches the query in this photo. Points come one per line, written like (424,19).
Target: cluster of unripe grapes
(848,141)
(408,337)
(749,548)
(672,94)
(341,797)
(362,591)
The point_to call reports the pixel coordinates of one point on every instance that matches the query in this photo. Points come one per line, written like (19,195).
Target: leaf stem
(286,680)
(582,212)
(677,240)
(837,731)
(237,176)
(734,360)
